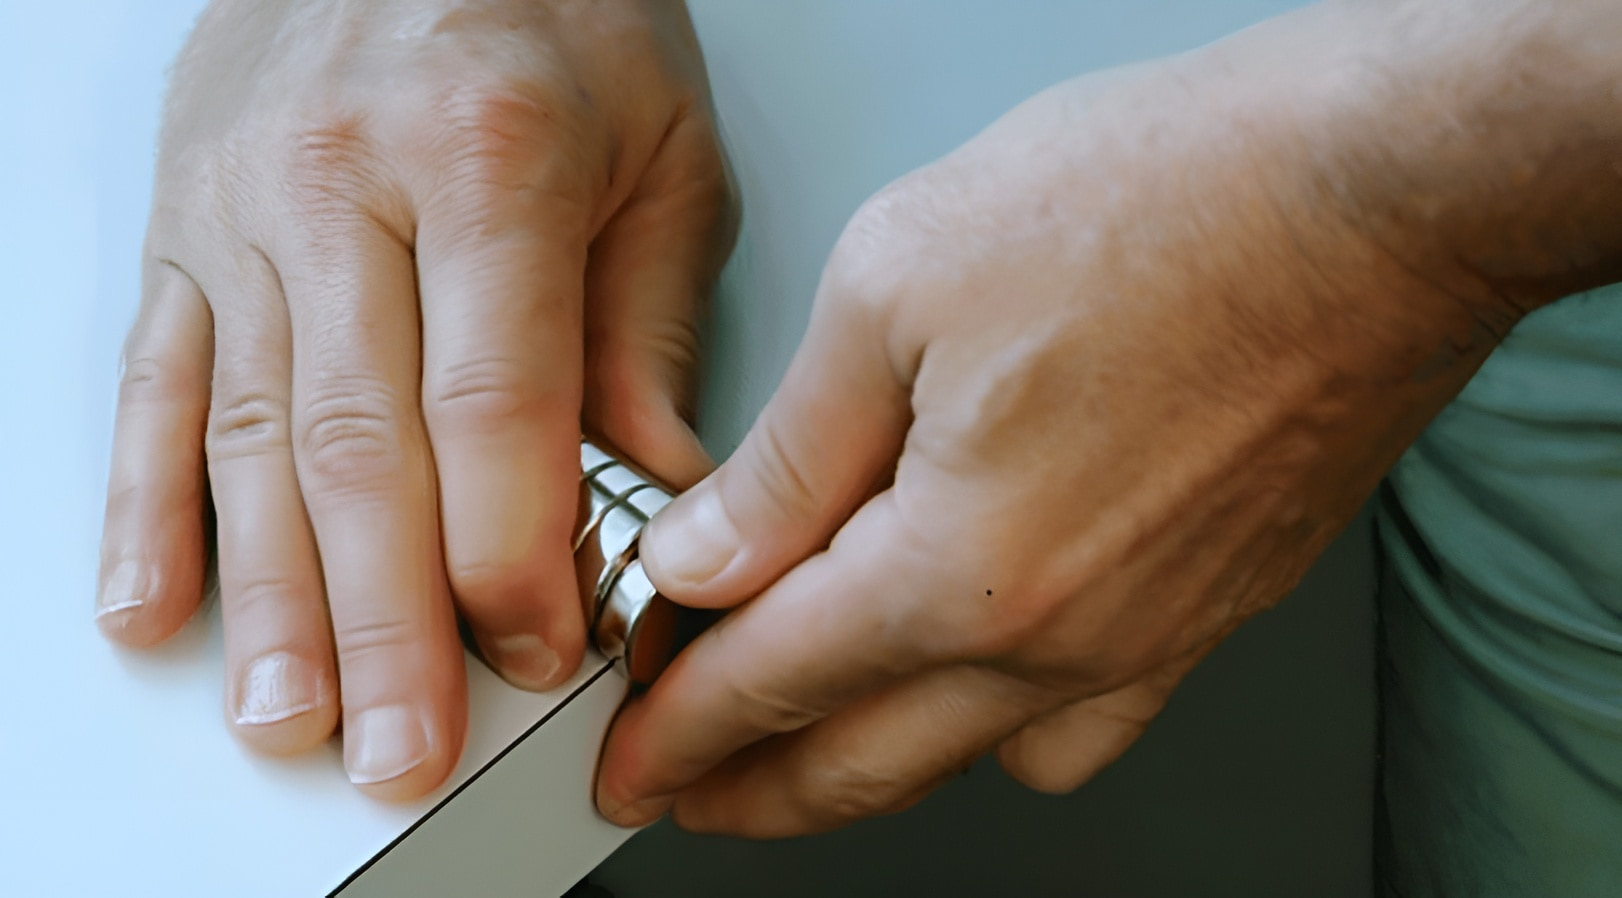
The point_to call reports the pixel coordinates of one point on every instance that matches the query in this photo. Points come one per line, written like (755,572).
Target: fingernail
(381,744)
(692,541)
(525,660)
(276,687)
(122,589)
(638,813)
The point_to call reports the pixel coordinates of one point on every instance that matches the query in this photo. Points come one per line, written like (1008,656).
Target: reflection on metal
(627,619)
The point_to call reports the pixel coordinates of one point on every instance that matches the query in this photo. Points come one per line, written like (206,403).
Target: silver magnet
(627,619)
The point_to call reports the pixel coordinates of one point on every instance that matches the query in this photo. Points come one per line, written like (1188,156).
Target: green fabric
(1501,625)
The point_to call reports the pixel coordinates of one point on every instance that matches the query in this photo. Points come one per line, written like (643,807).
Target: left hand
(400,254)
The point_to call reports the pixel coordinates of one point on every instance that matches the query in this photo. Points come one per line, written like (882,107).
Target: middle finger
(368,482)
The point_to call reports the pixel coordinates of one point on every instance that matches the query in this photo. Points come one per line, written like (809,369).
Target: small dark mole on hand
(988,592)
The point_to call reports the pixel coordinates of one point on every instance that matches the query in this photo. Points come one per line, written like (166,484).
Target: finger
(361,452)
(836,422)
(501,299)
(652,269)
(878,756)
(152,550)
(1065,748)
(860,616)
(282,678)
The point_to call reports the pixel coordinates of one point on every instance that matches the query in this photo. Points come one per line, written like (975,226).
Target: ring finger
(282,692)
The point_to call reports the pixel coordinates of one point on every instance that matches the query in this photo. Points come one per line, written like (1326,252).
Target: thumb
(834,426)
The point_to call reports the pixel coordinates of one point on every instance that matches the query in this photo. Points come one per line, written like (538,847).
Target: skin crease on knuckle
(145,379)
(836,793)
(885,261)
(481,141)
(246,424)
(272,592)
(619,369)
(334,196)
(481,395)
(381,636)
(348,433)
(812,794)
(768,710)
(785,488)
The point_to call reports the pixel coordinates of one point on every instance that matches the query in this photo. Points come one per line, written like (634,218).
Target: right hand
(1083,395)
(398,254)
(1090,418)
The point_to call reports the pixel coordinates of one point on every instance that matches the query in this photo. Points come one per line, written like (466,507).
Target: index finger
(841,624)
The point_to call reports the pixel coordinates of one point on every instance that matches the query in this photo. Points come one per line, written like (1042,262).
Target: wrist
(1479,145)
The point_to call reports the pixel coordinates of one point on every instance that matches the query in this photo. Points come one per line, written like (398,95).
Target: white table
(117,776)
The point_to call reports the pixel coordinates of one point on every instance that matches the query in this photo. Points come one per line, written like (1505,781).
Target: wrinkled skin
(398,253)
(1083,396)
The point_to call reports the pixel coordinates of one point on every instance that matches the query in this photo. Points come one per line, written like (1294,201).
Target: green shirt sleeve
(1501,624)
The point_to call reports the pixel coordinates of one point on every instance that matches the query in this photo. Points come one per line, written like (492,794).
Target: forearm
(1479,143)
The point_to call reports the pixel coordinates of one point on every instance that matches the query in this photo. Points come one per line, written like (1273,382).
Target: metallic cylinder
(626,617)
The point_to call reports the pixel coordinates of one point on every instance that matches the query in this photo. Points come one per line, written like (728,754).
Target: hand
(1074,402)
(398,252)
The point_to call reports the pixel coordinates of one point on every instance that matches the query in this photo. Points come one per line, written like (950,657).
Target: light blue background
(1254,783)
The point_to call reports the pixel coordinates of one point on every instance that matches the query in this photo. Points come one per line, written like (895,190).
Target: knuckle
(840,791)
(266,596)
(491,123)
(525,143)
(325,162)
(781,477)
(349,435)
(880,256)
(333,182)
(672,344)
(699,169)
(214,182)
(483,395)
(147,380)
(359,639)
(246,424)
(715,195)
(482,583)
(618,791)
(762,707)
